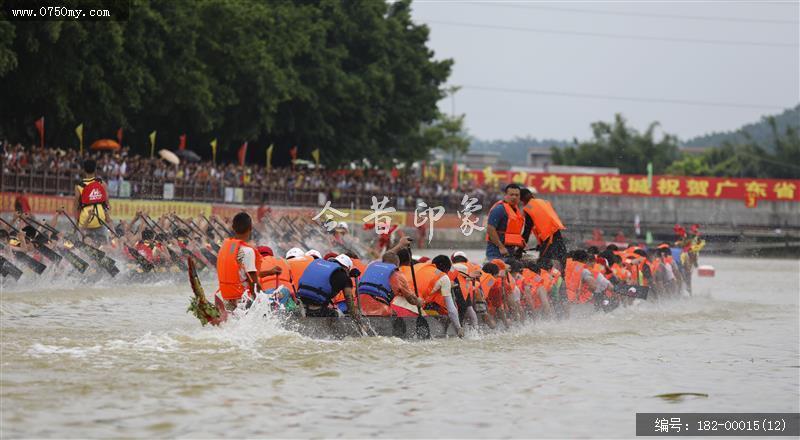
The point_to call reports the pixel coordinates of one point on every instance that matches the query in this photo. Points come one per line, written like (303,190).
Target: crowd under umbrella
(188,155)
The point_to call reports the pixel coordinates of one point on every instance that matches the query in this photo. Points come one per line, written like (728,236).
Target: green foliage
(355,79)
(750,158)
(447,133)
(760,132)
(617,145)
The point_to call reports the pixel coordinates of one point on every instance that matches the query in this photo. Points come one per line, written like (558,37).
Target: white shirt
(247,261)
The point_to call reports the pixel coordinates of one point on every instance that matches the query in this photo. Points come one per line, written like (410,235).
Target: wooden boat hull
(343,327)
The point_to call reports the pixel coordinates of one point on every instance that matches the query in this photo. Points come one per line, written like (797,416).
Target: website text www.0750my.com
(59,12)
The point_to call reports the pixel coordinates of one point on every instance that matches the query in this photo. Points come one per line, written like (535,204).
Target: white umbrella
(169,156)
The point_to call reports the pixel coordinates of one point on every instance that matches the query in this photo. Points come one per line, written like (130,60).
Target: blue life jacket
(375,281)
(676,255)
(315,284)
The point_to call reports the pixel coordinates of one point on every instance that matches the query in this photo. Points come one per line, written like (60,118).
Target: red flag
(293,152)
(40,128)
(455,177)
(182,144)
(242,153)
(119,136)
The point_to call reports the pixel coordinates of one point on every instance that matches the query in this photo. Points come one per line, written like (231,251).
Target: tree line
(615,144)
(354,78)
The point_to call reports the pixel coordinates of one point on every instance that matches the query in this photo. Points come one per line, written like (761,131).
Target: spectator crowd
(405,186)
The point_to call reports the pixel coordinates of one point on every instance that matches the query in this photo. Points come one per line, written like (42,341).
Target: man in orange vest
(238,265)
(432,285)
(505,225)
(542,222)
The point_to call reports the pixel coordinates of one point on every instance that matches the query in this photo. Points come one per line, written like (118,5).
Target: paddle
(77,262)
(172,255)
(6,269)
(38,245)
(30,262)
(99,256)
(202,235)
(145,265)
(423,329)
(196,229)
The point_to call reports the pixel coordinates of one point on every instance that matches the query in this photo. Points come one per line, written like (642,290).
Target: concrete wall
(659,210)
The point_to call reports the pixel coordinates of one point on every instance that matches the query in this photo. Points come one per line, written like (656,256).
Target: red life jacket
(93,192)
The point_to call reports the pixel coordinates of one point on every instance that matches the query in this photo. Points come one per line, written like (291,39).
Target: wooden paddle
(423,329)
(145,265)
(39,246)
(6,269)
(77,262)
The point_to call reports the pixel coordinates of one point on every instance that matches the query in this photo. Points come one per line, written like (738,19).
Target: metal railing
(142,187)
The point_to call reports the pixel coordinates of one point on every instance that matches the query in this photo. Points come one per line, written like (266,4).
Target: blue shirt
(497,218)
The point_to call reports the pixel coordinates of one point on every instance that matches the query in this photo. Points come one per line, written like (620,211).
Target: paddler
(432,285)
(505,225)
(91,203)
(238,263)
(322,280)
(542,221)
(464,286)
(384,291)
(279,284)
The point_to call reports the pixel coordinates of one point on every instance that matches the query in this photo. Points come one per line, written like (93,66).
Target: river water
(127,361)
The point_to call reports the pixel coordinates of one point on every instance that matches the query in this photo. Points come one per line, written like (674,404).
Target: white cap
(345,261)
(459,254)
(294,253)
(313,253)
(533,190)
(343,225)
(461,267)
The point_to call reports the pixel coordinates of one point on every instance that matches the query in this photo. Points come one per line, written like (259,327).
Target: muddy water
(111,361)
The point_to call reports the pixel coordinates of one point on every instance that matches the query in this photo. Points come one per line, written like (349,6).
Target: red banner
(749,190)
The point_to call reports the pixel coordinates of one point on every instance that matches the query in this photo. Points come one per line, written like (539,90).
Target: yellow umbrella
(169,156)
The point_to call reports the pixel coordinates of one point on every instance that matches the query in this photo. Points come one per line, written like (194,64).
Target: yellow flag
(79,132)
(214,150)
(152,143)
(269,157)
(488,176)
(441,171)
(315,155)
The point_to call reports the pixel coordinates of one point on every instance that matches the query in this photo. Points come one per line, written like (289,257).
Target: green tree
(617,145)
(750,158)
(447,134)
(354,79)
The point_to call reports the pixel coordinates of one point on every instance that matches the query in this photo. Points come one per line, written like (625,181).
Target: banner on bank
(749,190)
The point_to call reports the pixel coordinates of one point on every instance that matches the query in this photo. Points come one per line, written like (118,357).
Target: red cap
(330,255)
(265,251)
(424,259)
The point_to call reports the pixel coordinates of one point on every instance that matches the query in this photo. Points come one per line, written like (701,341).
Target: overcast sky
(661,51)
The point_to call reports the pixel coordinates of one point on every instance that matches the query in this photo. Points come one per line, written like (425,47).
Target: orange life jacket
(464,284)
(532,280)
(577,292)
(297,266)
(515,223)
(545,220)
(231,285)
(273,281)
(358,264)
(427,275)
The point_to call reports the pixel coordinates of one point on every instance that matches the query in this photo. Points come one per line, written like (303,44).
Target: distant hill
(514,150)
(759,131)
